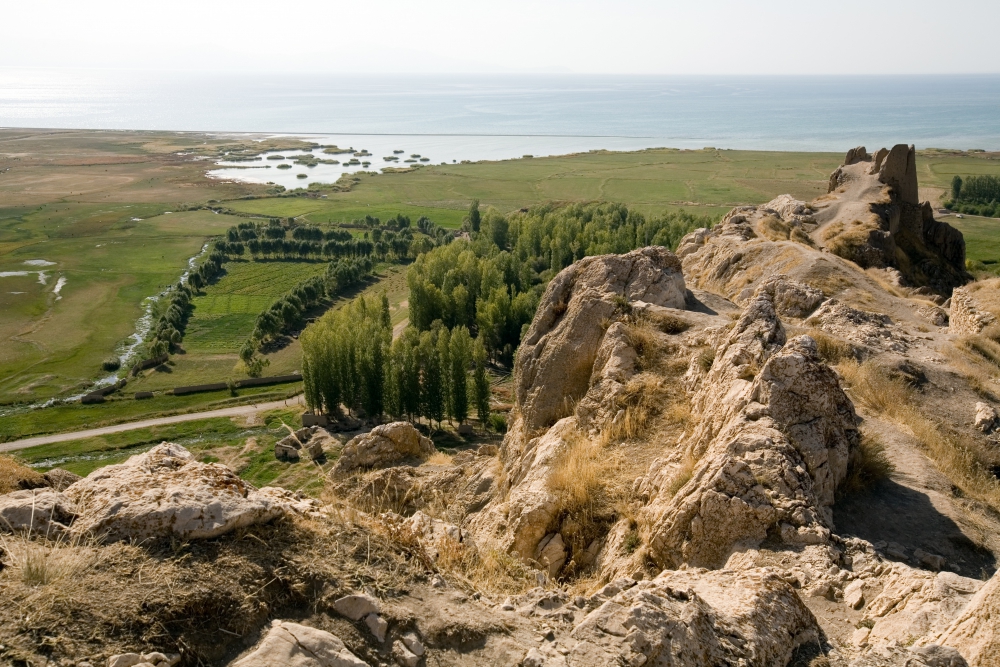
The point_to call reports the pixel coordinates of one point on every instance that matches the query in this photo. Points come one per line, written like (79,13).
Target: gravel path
(159,421)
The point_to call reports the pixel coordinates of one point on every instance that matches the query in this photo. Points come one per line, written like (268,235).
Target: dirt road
(160,421)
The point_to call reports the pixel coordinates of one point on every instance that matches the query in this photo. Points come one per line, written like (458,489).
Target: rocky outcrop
(873,217)
(772,466)
(40,512)
(166,492)
(976,631)
(297,645)
(913,604)
(518,519)
(385,445)
(556,358)
(694,618)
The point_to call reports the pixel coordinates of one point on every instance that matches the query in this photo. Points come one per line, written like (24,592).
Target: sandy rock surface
(165,492)
(293,645)
(556,357)
(385,445)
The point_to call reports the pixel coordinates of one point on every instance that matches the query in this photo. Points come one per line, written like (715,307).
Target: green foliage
(976,195)
(344,359)
(492,284)
(481,382)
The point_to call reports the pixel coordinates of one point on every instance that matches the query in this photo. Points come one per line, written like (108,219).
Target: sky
(766,37)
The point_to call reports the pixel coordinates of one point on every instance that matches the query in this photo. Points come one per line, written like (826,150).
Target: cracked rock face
(165,492)
(696,617)
(557,355)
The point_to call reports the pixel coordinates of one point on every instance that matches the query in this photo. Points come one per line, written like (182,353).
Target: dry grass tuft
(869,465)
(962,459)
(984,346)
(439,459)
(15,477)
(832,350)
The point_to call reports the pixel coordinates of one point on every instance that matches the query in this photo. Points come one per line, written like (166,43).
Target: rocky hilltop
(776,446)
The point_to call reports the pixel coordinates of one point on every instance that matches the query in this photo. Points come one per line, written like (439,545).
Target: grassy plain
(96,204)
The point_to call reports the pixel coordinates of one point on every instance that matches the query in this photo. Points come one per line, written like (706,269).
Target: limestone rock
(377,625)
(556,357)
(356,607)
(875,330)
(976,631)
(59,479)
(519,519)
(551,553)
(986,417)
(767,459)
(404,656)
(166,492)
(934,655)
(916,603)
(294,645)
(385,445)
(696,617)
(791,298)
(40,511)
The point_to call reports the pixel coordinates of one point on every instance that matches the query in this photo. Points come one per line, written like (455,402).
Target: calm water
(494,117)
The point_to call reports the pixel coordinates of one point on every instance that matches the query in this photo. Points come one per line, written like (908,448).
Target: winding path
(159,421)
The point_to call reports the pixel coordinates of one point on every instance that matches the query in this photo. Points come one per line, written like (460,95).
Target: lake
(448,118)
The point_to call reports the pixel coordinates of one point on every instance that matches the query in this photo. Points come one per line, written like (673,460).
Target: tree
(461,358)
(474,217)
(956,187)
(431,394)
(481,382)
(386,317)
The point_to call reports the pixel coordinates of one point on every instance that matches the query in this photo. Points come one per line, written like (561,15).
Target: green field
(224,315)
(982,237)
(105,208)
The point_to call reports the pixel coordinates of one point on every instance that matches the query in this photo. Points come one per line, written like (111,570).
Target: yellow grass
(14,476)
(958,457)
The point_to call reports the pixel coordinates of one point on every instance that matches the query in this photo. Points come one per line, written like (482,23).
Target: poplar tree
(461,357)
(481,382)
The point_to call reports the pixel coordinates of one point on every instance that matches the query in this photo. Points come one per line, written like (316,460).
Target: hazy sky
(439,36)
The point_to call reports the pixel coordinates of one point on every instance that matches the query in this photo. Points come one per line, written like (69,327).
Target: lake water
(448,118)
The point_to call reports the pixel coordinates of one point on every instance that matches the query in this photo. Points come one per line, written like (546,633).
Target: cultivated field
(109,210)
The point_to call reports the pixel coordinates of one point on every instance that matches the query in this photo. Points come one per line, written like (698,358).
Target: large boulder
(166,492)
(693,618)
(556,357)
(385,445)
(915,604)
(293,645)
(41,512)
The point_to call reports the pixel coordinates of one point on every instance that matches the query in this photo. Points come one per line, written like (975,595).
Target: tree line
(491,282)
(975,195)
(350,360)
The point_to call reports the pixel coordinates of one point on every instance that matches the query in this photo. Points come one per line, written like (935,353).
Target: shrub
(498,422)
(868,466)
(111,364)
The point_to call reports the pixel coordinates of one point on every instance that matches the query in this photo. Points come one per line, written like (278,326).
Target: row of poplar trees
(350,361)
